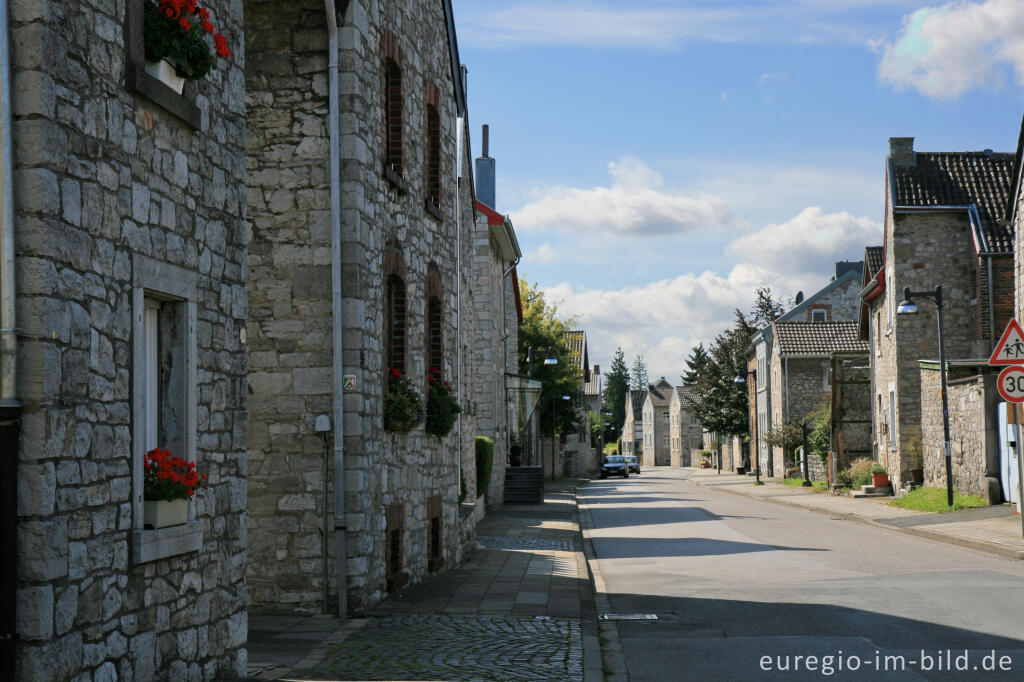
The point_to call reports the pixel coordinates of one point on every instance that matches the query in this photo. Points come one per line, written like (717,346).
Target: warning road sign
(1011,384)
(1010,349)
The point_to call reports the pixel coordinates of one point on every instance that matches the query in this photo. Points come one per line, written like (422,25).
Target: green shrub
(484,463)
(877,468)
(860,471)
(819,440)
(844,479)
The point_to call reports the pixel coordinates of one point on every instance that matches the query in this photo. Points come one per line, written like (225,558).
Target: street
(745,588)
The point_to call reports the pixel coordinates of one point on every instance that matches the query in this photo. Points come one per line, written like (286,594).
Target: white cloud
(810,242)
(664,319)
(636,203)
(944,51)
(545,255)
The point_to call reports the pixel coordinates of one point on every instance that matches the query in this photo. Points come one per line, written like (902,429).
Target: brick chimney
(901,151)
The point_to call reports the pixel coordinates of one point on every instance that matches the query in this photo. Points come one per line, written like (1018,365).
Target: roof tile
(818,338)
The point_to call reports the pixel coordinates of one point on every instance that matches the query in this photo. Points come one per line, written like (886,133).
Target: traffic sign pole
(1019,412)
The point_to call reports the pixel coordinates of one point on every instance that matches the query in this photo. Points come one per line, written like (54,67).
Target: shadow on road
(636,548)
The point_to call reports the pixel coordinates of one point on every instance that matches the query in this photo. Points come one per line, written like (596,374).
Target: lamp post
(742,378)
(908,307)
(806,466)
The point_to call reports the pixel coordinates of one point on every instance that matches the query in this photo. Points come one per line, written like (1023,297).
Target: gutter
(338,417)
(8,330)
(871,286)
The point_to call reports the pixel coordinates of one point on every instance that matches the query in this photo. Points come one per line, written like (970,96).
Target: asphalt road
(733,580)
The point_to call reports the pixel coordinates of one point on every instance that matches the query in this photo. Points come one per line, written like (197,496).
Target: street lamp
(742,378)
(908,307)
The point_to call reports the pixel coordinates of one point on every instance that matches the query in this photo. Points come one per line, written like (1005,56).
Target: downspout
(992,339)
(334,125)
(8,332)
(459,128)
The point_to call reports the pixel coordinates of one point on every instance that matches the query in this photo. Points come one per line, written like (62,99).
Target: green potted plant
(879,476)
(403,407)
(442,408)
(168,483)
(175,35)
(705,462)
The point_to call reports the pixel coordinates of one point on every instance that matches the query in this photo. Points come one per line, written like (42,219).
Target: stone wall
(973,431)
(386,227)
(117,200)
(924,249)
(842,302)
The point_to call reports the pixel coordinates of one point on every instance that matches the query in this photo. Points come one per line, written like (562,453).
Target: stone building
(684,428)
(578,459)
(800,368)
(124,321)
(657,425)
(633,427)
(944,225)
(362,219)
(837,300)
(496,337)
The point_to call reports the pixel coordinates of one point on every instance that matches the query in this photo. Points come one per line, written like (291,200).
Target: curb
(611,664)
(979,545)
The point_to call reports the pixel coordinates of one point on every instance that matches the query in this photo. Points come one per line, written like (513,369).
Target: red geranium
(176,30)
(169,478)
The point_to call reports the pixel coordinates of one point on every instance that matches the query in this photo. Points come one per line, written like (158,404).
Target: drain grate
(628,616)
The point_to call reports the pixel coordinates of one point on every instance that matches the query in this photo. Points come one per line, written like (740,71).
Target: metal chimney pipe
(487,131)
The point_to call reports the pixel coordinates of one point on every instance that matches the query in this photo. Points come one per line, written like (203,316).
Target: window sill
(183,106)
(395,178)
(151,545)
(434,210)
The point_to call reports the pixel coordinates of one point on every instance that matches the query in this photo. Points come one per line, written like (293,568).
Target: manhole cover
(628,616)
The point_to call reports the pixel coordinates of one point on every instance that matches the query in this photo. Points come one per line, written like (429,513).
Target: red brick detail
(827,307)
(392,107)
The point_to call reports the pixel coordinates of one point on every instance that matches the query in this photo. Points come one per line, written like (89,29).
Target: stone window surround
(183,106)
(152,279)
(392,112)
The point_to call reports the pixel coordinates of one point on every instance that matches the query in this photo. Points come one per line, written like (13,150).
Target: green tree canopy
(544,330)
(638,375)
(616,392)
(695,364)
(721,402)
(767,308)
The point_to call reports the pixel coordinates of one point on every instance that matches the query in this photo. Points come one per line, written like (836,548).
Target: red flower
(183,22)
(204,13)
(221,45)
(207,26)
(395,374)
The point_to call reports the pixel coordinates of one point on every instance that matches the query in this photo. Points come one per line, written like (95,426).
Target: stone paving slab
(453,647)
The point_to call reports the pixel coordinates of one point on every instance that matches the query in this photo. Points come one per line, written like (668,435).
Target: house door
(1008,431)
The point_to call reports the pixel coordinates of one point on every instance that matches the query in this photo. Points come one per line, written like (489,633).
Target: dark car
(632,465)
(614,465)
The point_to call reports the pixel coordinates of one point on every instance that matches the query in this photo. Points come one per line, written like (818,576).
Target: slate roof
(638,398)
(817,338)
(686,393)
(960,179)
(661,391)
(874,258)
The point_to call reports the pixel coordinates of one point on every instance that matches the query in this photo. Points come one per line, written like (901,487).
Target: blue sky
(661,159)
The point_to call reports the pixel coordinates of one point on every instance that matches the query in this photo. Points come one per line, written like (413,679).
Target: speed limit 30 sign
(1011,384)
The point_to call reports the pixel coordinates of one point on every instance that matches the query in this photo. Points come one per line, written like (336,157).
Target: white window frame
(156,284)
(824,315)
(892,414)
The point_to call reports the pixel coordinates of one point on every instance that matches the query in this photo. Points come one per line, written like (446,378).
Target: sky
(662,159)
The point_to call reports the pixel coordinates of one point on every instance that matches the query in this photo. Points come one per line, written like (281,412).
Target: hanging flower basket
(403,407)
(175,31)
(442,408)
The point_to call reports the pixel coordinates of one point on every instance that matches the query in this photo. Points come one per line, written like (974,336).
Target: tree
(766,309)
(721,402)
(638,376)
(616,392)
(695,365)
(544,330)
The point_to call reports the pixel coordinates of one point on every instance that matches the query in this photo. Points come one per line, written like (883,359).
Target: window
(892,415)
(394,147)
(826,376)
(184,105)
(393,334)
(664,416)
(433,152)
(164,385)
(819,315)
(435,320)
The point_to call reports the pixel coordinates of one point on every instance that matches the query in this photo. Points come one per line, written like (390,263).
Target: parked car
(614,465)
(632,465)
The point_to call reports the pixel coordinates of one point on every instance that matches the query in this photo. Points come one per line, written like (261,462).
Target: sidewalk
(994,529)
(521,608)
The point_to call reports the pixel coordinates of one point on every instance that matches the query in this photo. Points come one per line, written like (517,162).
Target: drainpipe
(992,339)
(334,125)
(459,128)
(8,332)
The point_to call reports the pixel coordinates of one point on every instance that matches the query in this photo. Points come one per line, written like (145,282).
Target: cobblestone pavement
(493,542)
(453,647)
